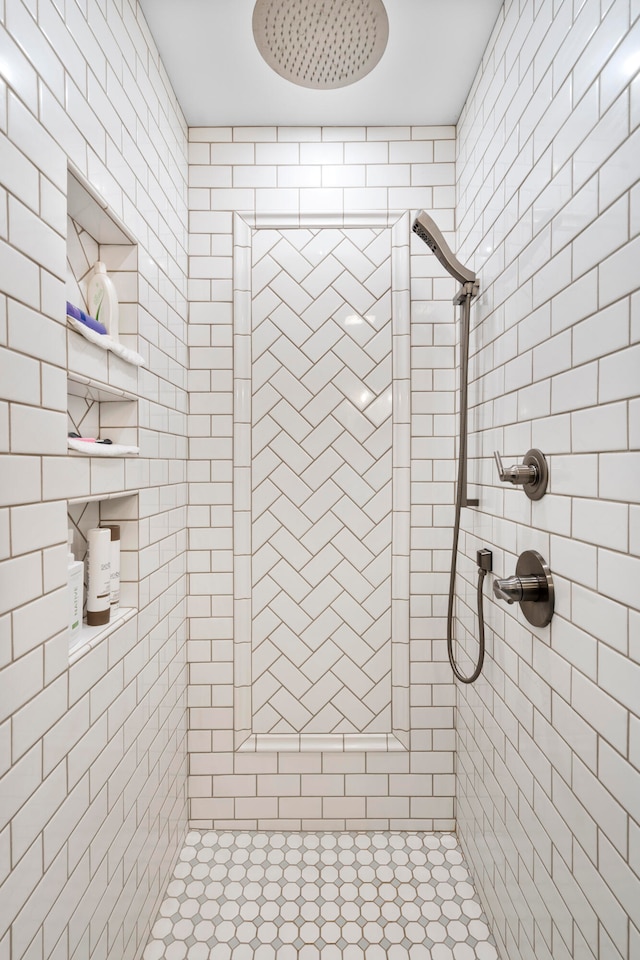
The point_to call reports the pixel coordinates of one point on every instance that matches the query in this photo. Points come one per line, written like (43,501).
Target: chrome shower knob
(532,473)
(532,587)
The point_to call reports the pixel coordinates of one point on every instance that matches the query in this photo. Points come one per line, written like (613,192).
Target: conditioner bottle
(98,576)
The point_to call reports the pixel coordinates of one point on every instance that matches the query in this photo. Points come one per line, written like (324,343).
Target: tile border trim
(398,737)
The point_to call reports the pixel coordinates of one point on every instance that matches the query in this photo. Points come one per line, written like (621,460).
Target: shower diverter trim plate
(538,612)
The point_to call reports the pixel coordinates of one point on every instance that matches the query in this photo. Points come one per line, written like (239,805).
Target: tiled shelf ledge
(90,637)
(117,495)
(88,361)
(88,388)
(321,743)
(81,479)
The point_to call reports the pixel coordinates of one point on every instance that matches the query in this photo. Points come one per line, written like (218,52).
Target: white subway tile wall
(335,175)
(548,783)
(93,751)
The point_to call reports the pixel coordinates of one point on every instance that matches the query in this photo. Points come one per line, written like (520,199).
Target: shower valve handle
(532,474)
(518,473)
(531,587)
(514,589)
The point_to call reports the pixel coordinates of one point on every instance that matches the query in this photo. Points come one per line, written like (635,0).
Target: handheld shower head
(426,229)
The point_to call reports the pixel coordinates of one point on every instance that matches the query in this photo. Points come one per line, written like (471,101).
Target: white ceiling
(434,50)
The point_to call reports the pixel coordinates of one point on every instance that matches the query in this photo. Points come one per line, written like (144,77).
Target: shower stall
(269,749)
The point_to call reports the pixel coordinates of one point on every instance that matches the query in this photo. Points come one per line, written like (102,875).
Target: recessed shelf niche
(102,396)
(102,387)
(82,515)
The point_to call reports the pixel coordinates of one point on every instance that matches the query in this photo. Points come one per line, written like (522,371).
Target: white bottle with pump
(98,576)
(103,300)
(75,579)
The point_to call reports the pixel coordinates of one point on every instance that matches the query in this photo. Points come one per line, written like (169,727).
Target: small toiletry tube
(98,576)
(75,579)
(115,564)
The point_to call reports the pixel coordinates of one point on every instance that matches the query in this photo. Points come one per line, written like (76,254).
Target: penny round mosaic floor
(320,896)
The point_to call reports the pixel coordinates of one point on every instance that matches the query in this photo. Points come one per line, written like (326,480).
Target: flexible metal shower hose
(460,494)
(480,601)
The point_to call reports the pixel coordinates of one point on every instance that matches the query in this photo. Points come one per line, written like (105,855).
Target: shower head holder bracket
(469,289)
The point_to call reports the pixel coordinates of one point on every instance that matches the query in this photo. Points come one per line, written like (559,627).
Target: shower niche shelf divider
(103,398)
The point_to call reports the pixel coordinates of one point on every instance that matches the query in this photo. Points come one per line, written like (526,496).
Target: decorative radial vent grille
(321,44)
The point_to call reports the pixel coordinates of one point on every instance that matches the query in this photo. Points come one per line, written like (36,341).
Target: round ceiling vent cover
(322,44)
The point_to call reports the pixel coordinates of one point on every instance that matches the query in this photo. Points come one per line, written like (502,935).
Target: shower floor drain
(320,896)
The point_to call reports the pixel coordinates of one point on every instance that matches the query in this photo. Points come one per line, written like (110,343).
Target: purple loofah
(85,318)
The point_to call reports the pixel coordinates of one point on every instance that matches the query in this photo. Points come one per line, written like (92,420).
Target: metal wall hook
(532,587)
(532,474)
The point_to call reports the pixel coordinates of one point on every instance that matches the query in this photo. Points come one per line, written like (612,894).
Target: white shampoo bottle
(114,529)
(103,300)
(75,579)
(98,576)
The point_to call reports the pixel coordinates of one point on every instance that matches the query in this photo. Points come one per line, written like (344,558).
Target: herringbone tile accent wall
(321,481)
(279,187)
